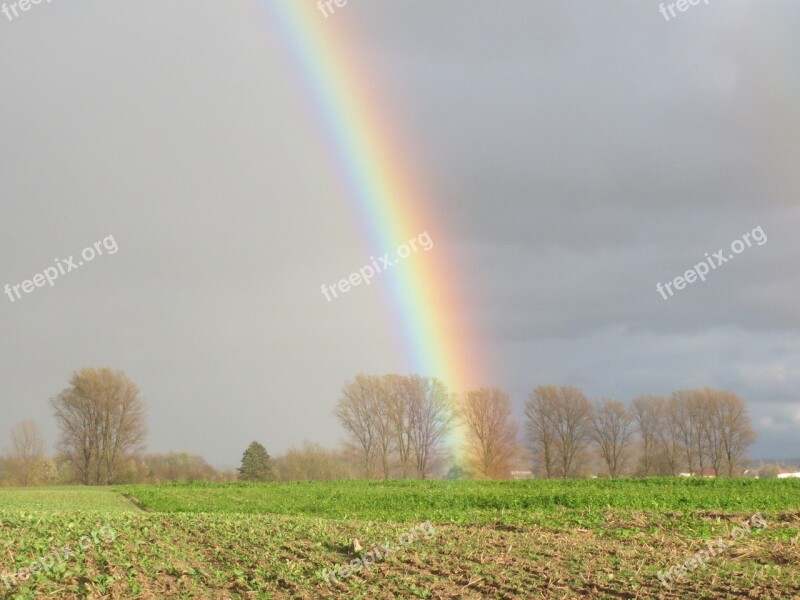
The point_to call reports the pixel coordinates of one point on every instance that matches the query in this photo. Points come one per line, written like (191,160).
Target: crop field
(527,539)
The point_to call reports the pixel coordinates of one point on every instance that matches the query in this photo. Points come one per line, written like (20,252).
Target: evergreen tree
(256,464)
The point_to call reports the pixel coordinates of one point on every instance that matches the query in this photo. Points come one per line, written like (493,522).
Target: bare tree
(383,422)
(431,417)
(687,427)
(728,430)
(491,433)
(26,460)
(737,432)
(690,409)
(312,462)
(572,426)
(612,431)
(558,423)
(540,425)
(102,420)
(669,435)
(389,416)
(648,413)
(180,467)
(709,407)
(399,393)
(355,412)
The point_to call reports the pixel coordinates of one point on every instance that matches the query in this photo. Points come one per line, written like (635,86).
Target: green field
(527,539)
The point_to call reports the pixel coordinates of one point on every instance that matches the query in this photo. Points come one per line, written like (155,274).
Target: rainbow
(386,197)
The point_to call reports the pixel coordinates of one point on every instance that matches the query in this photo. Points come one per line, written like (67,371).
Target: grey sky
(579,153)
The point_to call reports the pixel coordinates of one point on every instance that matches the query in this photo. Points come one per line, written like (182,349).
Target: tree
(612,431)
(399,390)
(737,433)
(102,419)
(431,418)
(312,462)
(256,464)
(669,437)
(540,427)
(26,463)
(708,427)
(769,471)
(491,434)
(383,423)
(180,467)
(404,416)
(355,411)
(558,423)
(712,406)
(571,417)
(687,417)
(647,412)
(729,432)
(572,422)
(456,473)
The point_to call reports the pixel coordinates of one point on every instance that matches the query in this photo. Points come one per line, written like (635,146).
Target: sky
(574,156)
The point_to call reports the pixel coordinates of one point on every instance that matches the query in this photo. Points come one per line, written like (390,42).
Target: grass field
(531,539)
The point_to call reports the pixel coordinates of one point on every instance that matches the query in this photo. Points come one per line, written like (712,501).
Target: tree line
(101,417)
(399,426)
(696,432)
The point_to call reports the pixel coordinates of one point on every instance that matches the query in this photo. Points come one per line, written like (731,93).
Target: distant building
(787,475)
(705,473)
(521,474)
